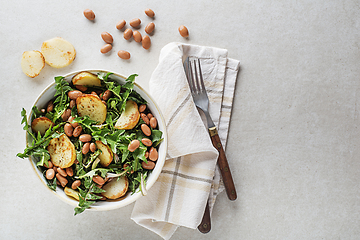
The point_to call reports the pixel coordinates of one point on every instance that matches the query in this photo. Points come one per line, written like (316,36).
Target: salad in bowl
(96,139)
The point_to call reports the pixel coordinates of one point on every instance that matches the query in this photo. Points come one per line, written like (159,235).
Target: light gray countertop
(293,144)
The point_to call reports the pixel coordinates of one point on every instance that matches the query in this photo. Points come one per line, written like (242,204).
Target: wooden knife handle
(205,225)
(223,165)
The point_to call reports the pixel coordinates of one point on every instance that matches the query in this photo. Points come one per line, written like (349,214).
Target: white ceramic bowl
(48,94)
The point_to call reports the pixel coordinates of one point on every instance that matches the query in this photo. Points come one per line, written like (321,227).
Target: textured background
(293,141)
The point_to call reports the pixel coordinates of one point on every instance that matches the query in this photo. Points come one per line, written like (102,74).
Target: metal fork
(198,91)
(201,100)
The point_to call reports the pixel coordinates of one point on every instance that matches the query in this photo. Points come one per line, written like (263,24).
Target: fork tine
(191,77)
(186,68)
(197,78)
(201,77)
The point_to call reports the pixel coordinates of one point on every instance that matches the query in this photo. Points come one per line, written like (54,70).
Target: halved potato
(62,151)
(92,106)
(116,188)
(129,117)
(71,193)
(86,79)
(106,155)
(58,52)
(41,124)
(32,62)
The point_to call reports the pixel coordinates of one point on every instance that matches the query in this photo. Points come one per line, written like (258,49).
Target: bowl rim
(122,201)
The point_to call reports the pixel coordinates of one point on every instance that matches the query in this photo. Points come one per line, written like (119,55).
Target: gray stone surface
(294,139)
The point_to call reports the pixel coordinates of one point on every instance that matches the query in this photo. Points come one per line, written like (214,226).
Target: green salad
(96,139)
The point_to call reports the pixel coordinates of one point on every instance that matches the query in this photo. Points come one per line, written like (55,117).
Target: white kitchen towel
(190,176)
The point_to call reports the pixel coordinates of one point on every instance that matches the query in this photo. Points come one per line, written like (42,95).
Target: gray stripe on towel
(187,176)
(178,109)
(172,189)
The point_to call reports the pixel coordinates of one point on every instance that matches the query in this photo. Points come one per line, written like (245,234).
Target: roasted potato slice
(41,124)
(71,193)
(86,79)
(32,62)
(106,155)
(116,188)
(130,117)
(92,106)
(62,151)
(58,52)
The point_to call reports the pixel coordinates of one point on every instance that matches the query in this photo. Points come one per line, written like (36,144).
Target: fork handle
(223,165)
(205,225)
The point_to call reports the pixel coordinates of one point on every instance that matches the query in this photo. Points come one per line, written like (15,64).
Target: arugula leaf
(52,184)
(36,112)
(139,153)
(61,101)
(111,119)
(86,122)
(114,139)
(25,122)
(156,137)
(92,158)
(43,156)
(112,103)
(129,86)
(136,97)
(40,143)
(111,85)
(121,92)
(104,76)
(87,198)
(96,171)
(135,181)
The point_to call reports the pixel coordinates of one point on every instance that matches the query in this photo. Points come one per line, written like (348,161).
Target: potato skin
(106,156)
(32,62)
(86,79)
(116,188)
(71,193)
(41,124)
(130,117)
(92,106)
(62,152)
(58,52)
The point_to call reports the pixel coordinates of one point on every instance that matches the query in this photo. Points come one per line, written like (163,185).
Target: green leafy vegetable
(61,101)
(39,144)
(88,197)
